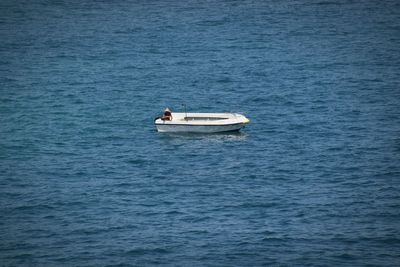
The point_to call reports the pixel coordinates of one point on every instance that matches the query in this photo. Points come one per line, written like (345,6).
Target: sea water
(313,180)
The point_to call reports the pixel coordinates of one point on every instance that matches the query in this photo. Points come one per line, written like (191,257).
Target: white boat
(201,122)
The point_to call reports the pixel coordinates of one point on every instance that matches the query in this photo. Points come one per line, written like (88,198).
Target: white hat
(167,109)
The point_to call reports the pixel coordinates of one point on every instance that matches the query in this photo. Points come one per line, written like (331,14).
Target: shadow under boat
(229,135)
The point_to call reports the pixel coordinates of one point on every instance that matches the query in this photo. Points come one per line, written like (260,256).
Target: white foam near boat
(202,122)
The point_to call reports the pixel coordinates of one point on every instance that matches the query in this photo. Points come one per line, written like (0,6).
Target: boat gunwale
(208,125)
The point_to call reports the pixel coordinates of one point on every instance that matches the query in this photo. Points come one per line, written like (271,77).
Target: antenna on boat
(184,105)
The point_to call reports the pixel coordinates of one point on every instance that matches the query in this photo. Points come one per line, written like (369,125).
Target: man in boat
(167,115)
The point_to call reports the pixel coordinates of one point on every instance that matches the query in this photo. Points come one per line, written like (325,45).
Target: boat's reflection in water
(223,136)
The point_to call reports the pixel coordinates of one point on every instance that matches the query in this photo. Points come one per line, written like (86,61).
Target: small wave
(34,208)
(225,80)
(258,205)
(345,256)
(328,3)
(136,161)
(130,30)
(143,251)
(211,23)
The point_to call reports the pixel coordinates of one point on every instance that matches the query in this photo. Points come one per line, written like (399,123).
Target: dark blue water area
(313,180)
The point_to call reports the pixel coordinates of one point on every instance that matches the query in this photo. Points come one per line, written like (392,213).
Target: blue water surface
(85,179)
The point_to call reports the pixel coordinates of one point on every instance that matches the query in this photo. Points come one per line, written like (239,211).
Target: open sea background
(85,179)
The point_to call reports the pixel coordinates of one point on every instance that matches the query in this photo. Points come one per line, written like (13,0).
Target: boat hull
(201,122)
(170,128)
